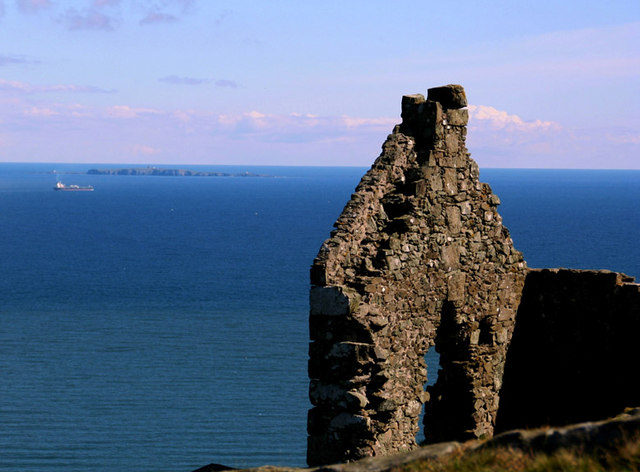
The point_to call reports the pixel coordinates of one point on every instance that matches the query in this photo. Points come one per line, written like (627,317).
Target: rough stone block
(435,181)
(323,393)
(455,286)
(450,96)
(357,352)
(349,421)
(458,117)
(450,181)
(331,301)
(356,399)
(421,188)
(450,256)
(453,219)
(337,363)
(452,144)
(411,105)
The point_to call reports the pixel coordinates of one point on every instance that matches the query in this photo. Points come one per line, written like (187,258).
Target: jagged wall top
(404,162)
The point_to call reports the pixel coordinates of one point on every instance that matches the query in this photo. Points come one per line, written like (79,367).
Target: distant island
(170,172)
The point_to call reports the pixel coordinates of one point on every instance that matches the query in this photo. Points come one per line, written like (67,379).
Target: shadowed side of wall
(418,258)
(575,351)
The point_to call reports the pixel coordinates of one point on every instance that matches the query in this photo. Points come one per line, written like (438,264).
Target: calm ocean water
(160,323)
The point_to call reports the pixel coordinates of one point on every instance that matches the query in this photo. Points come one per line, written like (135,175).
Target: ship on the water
(73,188)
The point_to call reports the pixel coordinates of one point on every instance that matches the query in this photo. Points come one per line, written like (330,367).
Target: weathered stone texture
(418,258)
(574,354)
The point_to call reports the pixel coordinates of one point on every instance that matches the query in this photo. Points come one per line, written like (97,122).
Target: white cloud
(15,85)
(178,80)
(167,11)
(106,15)
(105,3)
(486,116)
(33,6)
(143,150)
(494,133)
(226,83)
(298,127)
(497,138)
(26,87)
(125,111)
(624,136)
(90,19)
(77,110)
(352,122)
(43,112)
(158,17)
(183,116)
(174,79)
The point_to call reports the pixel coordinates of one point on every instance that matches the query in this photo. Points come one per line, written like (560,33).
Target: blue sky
(550,84)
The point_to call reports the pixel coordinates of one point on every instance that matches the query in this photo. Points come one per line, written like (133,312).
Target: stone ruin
(419,258)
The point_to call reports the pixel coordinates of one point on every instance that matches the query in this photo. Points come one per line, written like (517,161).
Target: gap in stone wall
(432,358)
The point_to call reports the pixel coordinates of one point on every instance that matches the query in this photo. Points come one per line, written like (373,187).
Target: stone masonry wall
(418,258)
(574,354)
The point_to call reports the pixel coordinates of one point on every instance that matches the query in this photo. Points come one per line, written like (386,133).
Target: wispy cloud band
(8,59)
(158,17)
(90,19)
(107,15)
(33,6)
(26,87)
(177,80)
(497,138)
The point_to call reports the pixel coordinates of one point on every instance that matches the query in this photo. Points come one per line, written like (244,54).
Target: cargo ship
(73,188)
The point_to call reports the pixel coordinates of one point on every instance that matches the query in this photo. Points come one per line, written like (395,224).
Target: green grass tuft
(621,457)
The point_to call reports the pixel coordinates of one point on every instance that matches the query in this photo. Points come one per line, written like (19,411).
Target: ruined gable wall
(418,258)
(574,354)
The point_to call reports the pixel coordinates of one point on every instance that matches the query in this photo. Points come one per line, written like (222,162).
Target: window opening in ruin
(486,336)
(432,358)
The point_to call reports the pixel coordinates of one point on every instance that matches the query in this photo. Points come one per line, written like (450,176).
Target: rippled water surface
(160,323)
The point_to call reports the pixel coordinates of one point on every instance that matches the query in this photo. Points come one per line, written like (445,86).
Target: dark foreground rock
(368,464)
(582,436)
(214,468)
(589,435)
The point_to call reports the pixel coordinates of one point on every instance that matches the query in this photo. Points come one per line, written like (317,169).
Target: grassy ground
(624,456)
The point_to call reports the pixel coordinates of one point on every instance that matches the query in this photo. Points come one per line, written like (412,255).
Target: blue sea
(160,323)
